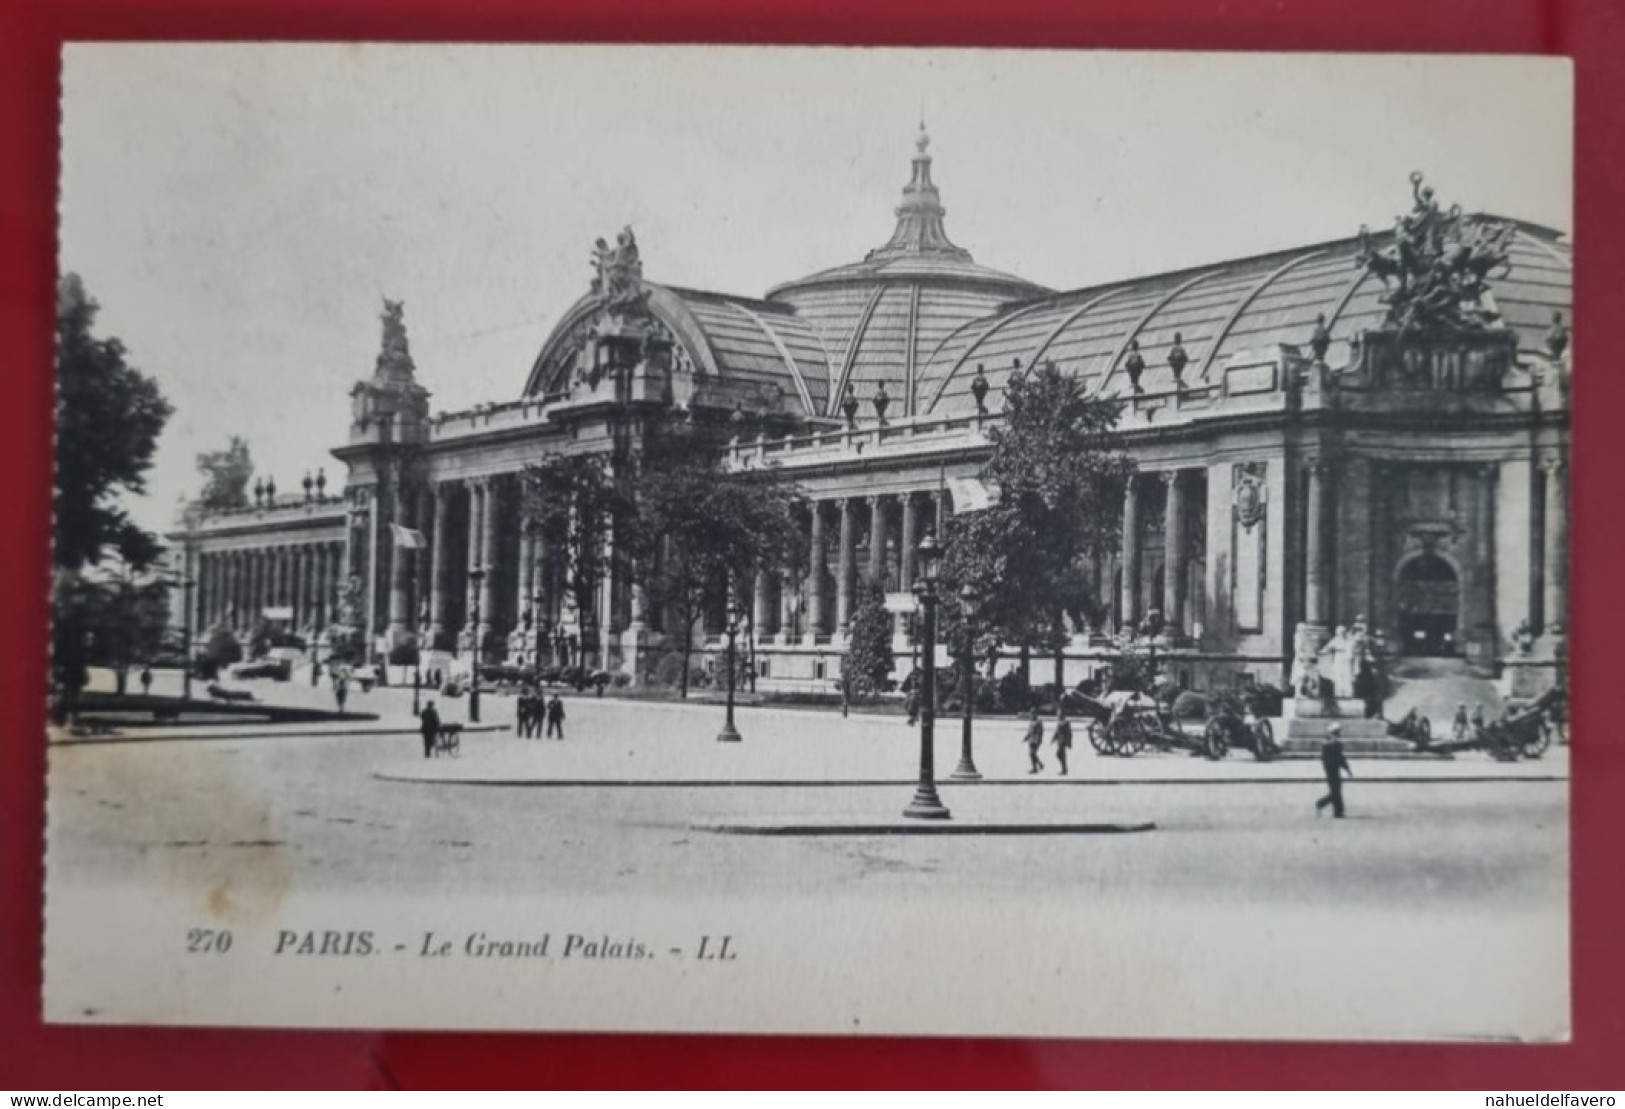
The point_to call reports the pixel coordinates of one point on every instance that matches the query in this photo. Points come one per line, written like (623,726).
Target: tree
(108,419)
(1059,467)
(576,501)
(868,654)
(226,474)
(705,531)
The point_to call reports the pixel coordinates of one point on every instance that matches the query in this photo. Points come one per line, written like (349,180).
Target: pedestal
(636,651)
(1526,677)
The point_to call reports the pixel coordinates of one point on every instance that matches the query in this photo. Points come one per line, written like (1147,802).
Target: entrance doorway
(1429,606)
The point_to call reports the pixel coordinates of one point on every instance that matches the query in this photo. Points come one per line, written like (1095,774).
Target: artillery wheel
(1535,746)
(1264,747)
(1097,738)
(1216,743)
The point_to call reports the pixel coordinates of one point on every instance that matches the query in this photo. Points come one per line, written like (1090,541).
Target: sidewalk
(627,743)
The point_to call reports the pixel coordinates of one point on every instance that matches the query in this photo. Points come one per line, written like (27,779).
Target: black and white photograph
(838,541)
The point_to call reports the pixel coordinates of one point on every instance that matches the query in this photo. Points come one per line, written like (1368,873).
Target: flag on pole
(407,538)
(971,494)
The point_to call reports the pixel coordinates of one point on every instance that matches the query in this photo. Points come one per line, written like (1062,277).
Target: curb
(171,737)
(923,828)
(792,783)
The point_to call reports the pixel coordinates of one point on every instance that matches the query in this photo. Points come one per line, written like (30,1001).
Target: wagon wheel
(1216,743)
(1264,747)
(1098,738)
(1123,736)
(1539,739)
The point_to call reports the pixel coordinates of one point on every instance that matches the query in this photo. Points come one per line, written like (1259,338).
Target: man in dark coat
(1335,764)
(429,722)
(555,717)
(528,716)
(1034,740)
(1063,737)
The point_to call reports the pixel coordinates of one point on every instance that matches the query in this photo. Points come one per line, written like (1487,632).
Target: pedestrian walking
(146,681)
(1063,737)
(429,723)
(341,691)
(1460,729)
(1035,740)
(911,700)
(526,712)
(1335,764)
(555,717)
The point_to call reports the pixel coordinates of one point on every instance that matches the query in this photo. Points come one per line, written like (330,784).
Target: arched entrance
(1429,606)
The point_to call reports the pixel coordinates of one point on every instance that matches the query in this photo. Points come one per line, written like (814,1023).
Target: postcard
(837,541)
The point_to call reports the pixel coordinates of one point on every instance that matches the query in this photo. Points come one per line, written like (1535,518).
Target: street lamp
(729,733)
(186,583)
(539,622)
(476,575)
(926,805)
(966,770)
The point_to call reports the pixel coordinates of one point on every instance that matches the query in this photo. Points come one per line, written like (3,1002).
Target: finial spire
(919,217)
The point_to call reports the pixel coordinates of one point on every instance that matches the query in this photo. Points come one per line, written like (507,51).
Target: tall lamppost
(186,583)
(476,576)
(926,805)
(729,733)
(540,624)
(966,770)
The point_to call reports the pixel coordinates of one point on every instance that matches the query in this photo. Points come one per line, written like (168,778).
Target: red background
(66,1058)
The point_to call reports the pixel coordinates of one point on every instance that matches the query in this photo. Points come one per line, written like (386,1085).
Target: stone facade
(1302,463)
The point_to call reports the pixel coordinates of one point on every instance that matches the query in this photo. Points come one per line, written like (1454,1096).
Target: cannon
(1235,724)
(1126,724)
(1525,733)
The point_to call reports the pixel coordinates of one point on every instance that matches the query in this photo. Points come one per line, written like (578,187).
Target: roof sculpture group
(1438,269)
(618,271)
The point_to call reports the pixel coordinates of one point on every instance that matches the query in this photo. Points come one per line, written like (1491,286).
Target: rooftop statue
(1439,266)
(618,270)
(394,355)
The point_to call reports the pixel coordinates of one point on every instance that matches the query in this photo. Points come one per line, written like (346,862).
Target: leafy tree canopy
(1059,467)
(868,654)
(108,418)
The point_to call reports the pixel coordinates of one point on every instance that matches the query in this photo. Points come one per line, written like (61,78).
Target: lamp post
(966,770)
(729,733)
(926,805)
(539,622)
(186,584)
(476,575)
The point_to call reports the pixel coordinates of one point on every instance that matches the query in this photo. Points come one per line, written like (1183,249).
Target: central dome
(881,319)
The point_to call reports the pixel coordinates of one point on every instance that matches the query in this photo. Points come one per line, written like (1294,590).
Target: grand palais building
(1300,463)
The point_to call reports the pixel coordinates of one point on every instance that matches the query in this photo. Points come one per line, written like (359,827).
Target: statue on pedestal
(1339,663)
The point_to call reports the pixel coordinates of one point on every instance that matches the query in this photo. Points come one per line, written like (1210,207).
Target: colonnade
(236,587)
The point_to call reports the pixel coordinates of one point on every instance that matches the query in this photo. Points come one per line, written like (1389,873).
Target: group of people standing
(534,707)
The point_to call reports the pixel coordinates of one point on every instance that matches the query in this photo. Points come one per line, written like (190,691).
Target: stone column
(529,610)
(439,572)
(877,540)
(1316,583)
(400,565)
(1556,570)
(761,609)
(1483,631)
(1130,598)
(488,552)
(906,544)
(815,572)
(476,537)
(846,559)
(940,512)
(1173,554)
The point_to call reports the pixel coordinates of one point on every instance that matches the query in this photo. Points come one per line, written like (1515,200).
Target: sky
(240,210)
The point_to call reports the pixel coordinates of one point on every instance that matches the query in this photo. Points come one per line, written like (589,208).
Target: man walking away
(146,681)
(555,717)
(1063,737)
(429,721)
(529,718)
(341,690)
(1035,740)
(1336,764)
